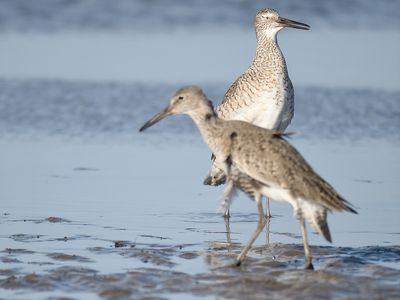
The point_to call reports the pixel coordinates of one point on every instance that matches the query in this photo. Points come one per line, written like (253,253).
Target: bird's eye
(180,98)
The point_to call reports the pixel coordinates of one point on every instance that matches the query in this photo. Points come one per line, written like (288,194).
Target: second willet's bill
(260,161)
(263,95)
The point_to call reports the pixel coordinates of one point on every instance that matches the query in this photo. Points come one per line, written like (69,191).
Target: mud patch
(86,169)
(119,244)
(154,237)
(158,255)
(30,281)
(17,251)
(57,220)
(67,257)
(10,260)
(115,293)
(25,237)
(271,271)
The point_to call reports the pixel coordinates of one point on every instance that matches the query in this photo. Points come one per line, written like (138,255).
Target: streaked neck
(208,123)
(268,53)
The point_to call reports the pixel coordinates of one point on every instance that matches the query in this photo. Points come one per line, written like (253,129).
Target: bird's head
(187,100)
(268,22)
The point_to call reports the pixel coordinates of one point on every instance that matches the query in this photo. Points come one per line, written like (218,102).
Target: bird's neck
(209,125)
(268,53)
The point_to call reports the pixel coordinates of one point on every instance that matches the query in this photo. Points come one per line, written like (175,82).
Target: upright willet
(263,95)
(260,161)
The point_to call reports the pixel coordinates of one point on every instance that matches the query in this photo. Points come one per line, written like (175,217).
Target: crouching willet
(263,95)
(259,161)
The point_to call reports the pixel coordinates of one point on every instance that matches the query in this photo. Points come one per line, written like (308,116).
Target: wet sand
(100,220)
(273,271)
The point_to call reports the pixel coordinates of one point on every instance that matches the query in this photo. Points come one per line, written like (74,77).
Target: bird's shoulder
(249,138)
(254,89)
(264,154)
(245,87)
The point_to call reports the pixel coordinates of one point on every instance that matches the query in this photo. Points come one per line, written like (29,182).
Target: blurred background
(92,67)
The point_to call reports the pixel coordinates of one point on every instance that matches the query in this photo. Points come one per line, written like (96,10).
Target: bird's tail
(321,225)
(316,215)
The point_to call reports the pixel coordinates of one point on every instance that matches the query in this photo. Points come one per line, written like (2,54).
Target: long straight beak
(158,117)
(294,24)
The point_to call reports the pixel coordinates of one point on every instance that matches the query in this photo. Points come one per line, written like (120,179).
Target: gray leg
(256,233)
(307,251)
(228,191)
(267,221)
(228,231)
(268,211)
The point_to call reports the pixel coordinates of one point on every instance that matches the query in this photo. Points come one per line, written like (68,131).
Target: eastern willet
(263,95)
(260,161)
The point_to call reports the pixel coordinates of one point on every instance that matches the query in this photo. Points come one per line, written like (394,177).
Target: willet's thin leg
(267,210)
(256,233)
(228,191)
(267,221)
(307,251)
(228,231)
(227,215)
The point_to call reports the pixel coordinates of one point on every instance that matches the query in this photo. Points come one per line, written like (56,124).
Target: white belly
(304,207)
(270,110)
(278,193)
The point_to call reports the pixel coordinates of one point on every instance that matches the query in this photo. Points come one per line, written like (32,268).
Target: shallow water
(91,209)
(142,15)
(345,58)
(104,110)
(109,219)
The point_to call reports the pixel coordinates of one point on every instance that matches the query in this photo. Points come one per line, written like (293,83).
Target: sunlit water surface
(92,209)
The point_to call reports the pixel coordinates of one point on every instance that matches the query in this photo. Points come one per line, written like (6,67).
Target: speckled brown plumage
(260,162)
(263,95)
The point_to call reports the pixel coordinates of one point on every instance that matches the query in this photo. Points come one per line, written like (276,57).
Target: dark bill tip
(145,126)
(158,117)
(293,24)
